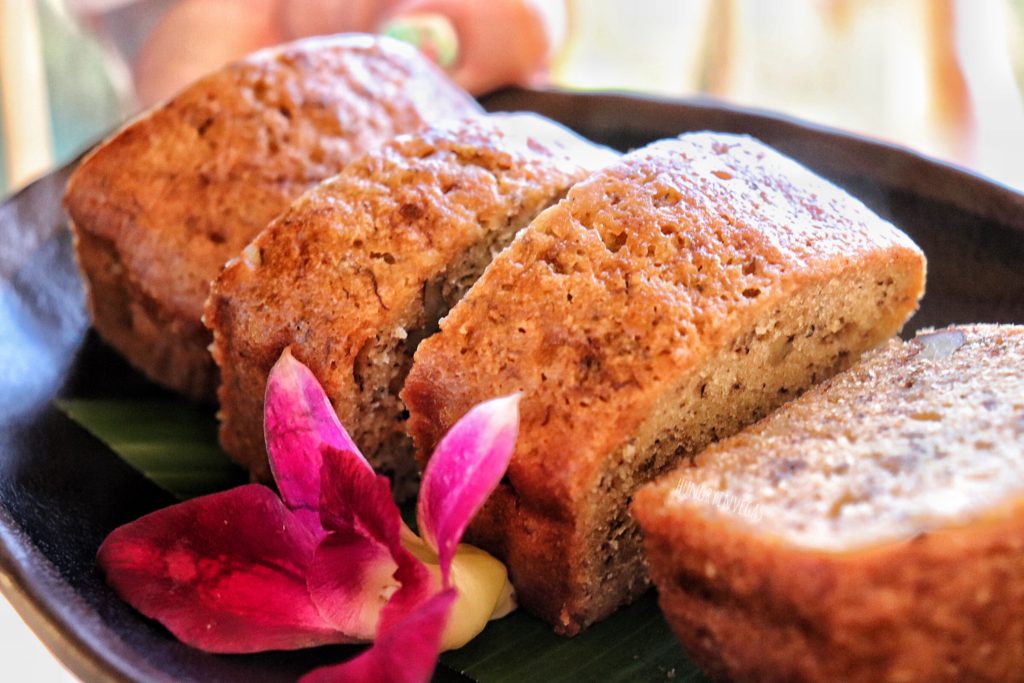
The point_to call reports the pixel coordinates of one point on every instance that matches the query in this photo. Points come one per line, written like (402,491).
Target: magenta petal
(405,653)
(465,468)
(351,579)
(224,572)
(354,498)
(416,587)
(298,421)
(348,576)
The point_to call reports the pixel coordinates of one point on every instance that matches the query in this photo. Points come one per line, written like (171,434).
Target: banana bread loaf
(360,268)
(672,298)
(159,207)
(872,530)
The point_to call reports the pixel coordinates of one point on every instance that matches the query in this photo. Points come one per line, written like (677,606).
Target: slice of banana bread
(359,270)
(159,207)
(872,530)
(670,299)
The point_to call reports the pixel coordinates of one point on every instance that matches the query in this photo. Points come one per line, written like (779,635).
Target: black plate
(61,491)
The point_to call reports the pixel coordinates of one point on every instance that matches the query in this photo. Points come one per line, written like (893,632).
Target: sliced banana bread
(669,300)
(360,268)
(872,530)
(159,207)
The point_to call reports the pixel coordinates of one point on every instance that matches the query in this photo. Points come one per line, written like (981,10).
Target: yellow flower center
(481,581)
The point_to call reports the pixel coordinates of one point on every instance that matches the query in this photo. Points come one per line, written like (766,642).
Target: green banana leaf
(174,443)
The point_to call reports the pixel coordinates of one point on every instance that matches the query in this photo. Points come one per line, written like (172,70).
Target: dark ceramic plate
(61,491)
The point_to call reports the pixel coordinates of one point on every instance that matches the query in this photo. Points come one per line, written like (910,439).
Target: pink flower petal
(404,653)
(350,581)
(465,468)
(349,575)
(416,588)
(353,497)
(224,573)
(298,421)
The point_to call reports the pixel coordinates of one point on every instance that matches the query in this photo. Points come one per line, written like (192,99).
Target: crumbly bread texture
(872,530)
(670,299)
(159,207)
(359,270)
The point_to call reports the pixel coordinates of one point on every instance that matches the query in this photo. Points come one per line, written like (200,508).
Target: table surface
(27,659)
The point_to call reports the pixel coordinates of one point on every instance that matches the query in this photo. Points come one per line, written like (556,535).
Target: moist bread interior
(871,530)
(384,361)
(673,297)
(907,441)
(360,269)
(799,341)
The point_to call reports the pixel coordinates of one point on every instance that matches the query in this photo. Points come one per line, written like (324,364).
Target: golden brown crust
(611,302)
(361,267)
(763,577)
(943,606)
(140,326)
(185,186)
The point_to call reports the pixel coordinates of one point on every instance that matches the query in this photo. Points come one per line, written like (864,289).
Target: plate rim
(897,157)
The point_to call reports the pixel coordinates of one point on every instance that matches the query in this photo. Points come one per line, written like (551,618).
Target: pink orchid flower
(330,560)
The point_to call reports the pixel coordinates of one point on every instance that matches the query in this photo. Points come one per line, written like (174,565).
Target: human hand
(489,44)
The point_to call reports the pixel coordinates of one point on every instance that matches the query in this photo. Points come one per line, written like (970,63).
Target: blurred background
(941,76)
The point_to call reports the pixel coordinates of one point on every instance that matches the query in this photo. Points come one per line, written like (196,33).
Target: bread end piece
(160,206)
(169,349)
(871,530)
